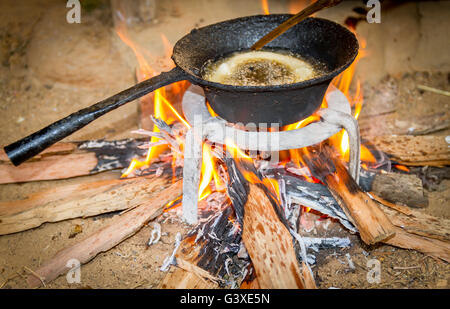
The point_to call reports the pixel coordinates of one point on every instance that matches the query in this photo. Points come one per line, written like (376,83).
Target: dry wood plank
(119,229)
(429,246)
(414,150)
(269,244)
(365,214)
(420,224)
(77,200)
(66,160)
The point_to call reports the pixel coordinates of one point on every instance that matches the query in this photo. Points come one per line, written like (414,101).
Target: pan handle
(28,147)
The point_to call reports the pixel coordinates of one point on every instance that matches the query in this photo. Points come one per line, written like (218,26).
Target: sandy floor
(49,68)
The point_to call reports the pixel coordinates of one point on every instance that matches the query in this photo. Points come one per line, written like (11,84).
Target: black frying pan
(315,38)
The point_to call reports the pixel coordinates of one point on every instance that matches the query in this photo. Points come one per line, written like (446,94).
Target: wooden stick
(269,244)
(309,10)
(119,229)
(420,224)
(372,223)
(434,90)
(78,200)
(66,160)
(414,150)
(429,246)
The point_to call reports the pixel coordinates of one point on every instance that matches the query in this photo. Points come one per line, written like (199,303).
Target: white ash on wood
(416,230)
(361,210)
(66,160)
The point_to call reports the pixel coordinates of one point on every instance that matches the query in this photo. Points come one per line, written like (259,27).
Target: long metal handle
(28,147)
(313,8)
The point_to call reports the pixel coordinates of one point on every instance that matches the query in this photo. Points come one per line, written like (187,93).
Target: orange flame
(343,83)
(265,6)
(401,167)
(162,107)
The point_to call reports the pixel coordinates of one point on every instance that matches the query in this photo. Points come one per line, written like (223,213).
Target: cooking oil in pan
(260,68)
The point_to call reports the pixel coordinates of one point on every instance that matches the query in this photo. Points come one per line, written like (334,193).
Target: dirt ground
(49,68)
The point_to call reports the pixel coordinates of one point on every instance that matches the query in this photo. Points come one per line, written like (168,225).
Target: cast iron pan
(318,39)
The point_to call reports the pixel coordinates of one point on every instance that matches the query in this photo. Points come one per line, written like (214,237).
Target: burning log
(265,235)
(65,160)
(415,150)
(78,200)
(120,228)
(372,223)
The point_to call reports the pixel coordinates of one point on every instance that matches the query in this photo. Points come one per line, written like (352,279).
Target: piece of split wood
(372,223)
(66,160)
(119,229)
(76,200)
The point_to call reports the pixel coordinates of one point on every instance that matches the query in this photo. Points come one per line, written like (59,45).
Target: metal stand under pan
(216,130)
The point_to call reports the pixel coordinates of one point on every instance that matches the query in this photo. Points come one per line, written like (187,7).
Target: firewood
(421,232)
(120,228)
(420,223)
(396,188)
(414,150)
(307,275)
(183,279)
(186,274)
(372,223)
(429,246)
(66,160)
(77,200)
(264,228)
(269,244)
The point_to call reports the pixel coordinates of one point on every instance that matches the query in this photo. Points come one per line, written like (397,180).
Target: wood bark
(77,200)
(269,244)
(414,150)
(119,229)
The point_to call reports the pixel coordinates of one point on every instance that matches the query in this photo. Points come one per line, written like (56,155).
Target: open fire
(261,201)
(211,179)
(216,176)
